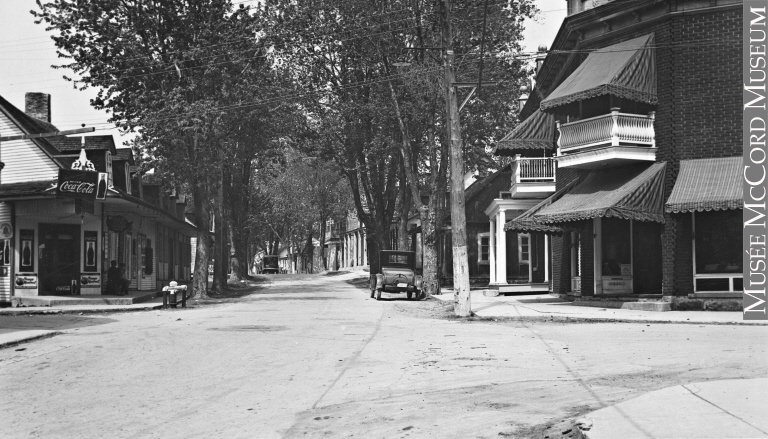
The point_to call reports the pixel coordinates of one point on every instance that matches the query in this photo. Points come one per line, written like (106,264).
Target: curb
(10,344)
(49,311)
(569,319)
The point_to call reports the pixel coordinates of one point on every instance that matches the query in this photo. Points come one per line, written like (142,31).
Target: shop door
(647,248)
(59,257)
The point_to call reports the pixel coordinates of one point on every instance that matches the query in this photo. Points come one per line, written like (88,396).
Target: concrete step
(130,299)
(618,304)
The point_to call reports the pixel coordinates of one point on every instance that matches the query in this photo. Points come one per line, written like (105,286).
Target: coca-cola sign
(77,184)
(26,281)
(90,280)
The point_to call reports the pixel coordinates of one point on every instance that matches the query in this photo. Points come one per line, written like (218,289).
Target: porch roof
(120,201)
(526,222)
(707,184)
(626,70)
(628,192)
(535,132)
(25,189)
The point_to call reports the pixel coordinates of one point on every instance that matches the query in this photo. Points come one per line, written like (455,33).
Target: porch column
(546,258)
(492,251)
(357,248)
(344,248)
(597,232)
(501,249)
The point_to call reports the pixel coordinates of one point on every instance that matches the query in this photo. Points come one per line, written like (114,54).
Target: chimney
(540,56)
(38,105)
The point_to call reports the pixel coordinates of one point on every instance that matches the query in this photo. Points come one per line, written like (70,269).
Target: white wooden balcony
(533,177)
(608,140)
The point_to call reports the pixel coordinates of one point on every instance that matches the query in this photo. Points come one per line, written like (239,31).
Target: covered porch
(519,261)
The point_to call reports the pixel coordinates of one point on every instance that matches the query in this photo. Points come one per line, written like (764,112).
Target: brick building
(647,101)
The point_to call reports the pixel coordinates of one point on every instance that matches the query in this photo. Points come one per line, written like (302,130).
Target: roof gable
(26,159)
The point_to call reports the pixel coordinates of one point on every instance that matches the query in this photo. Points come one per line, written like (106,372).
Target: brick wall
(699,116)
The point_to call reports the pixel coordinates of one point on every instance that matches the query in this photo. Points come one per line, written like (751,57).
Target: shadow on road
(9,324)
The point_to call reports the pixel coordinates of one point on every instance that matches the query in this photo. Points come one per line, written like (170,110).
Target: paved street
(314,356)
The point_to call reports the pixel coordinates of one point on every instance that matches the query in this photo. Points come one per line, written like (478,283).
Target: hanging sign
(77,184)
(118,224)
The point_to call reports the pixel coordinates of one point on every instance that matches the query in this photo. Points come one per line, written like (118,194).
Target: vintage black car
(398,275)
(271,265)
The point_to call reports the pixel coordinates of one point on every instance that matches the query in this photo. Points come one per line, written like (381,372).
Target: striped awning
(535,132)
(628,192)
(527,223)
(626,70)
(707,184)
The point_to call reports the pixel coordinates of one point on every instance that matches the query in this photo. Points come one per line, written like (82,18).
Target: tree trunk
(202,221)
(403,239)
(219,270)
(234,260)
(462,304)
(323,220)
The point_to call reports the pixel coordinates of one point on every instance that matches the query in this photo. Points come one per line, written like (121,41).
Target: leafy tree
(177,72)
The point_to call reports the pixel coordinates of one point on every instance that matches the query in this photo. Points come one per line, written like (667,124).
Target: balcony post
(517,168)
(559,137)
(652,117)
(615,127)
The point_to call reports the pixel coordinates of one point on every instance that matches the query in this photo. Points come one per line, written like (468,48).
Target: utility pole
(461,299)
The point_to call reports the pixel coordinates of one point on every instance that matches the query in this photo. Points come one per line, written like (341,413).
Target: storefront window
(617,247)
(718,241)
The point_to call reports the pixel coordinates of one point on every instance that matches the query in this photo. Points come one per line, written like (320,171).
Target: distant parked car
(398,275)
(270,265)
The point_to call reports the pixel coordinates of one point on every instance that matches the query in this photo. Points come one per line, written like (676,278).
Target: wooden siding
(5,282)
(24,160)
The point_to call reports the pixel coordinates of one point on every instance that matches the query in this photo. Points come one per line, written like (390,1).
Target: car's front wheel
(410,295)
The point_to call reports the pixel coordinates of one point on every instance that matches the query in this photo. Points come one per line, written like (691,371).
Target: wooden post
(462,305)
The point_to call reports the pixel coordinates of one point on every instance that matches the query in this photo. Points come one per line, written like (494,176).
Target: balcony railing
(530,169)
(614,129)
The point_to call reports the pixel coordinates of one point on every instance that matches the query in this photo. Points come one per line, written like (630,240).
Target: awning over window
(527,223)
(626,70)
(628,192)
(535,132)
(707,184)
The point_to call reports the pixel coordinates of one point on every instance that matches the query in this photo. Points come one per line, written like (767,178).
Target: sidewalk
(544,307)
(714,409)
(12,337)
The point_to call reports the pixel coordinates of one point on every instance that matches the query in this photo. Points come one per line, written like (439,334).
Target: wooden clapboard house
(53,245)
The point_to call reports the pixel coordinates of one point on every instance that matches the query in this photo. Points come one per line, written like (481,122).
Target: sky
(27,53)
